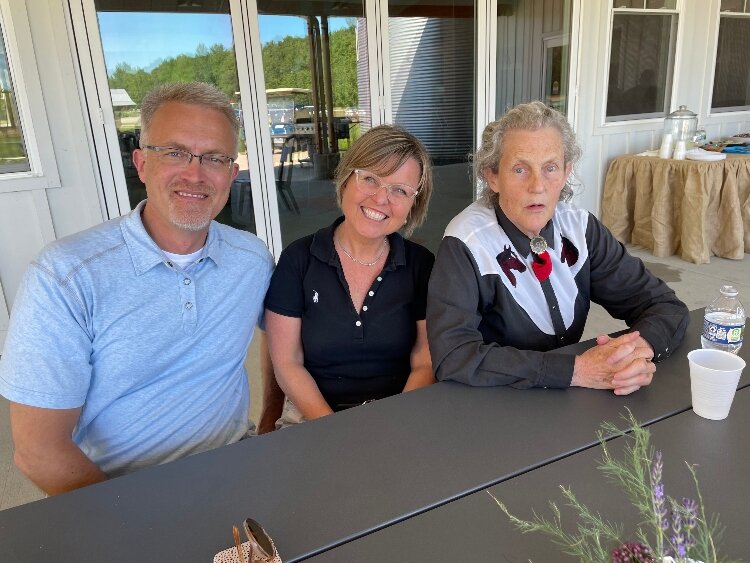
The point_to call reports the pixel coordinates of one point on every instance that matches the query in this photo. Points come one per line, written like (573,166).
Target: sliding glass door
(308,78)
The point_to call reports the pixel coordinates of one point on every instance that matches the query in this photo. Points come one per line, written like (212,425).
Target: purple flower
(677,521)
(657,493)
(656,468)
(691,520)
(632,552)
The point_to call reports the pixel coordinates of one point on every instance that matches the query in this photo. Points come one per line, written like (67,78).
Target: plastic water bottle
(724,322)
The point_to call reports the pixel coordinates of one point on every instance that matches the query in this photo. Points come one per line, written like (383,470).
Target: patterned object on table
(229,555)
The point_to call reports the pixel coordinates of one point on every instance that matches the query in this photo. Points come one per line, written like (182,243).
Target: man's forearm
(60,470)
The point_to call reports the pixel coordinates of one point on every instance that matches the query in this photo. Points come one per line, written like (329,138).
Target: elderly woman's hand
(622,364)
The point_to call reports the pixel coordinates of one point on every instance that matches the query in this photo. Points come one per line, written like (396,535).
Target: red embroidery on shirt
(509,261)
(569,253)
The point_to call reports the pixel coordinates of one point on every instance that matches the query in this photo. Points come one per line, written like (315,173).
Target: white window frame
(731,114)
(644,124)
(43,173)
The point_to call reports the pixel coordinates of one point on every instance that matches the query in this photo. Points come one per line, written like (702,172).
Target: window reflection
(640,65)
(732,75)
(533,55)
(432,93)
(145,49)
(315,68)
(13,157)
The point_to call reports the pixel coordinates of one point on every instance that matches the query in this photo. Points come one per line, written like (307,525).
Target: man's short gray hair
(530,117)
(195,93)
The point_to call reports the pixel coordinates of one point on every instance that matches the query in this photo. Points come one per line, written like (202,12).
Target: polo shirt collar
(520,241)
(145,253)
(323,249)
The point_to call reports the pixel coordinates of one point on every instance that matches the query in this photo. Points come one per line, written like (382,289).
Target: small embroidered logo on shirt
(315,296)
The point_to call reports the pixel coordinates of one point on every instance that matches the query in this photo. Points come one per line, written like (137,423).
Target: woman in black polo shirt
(345,311)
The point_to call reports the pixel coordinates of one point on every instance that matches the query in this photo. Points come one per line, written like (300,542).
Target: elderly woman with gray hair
(516,272)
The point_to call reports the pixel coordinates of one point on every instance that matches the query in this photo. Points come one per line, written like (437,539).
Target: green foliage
(586,544)
(215,64)
(638,474)
(286,64)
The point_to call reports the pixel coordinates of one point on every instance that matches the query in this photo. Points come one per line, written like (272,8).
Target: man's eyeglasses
(172,156)
(370,183)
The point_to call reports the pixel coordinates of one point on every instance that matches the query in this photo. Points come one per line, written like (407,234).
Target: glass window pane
(647,4)
(315,66)
(732,5)
(432,94)
(13,156)
(661,4)
(628,3)
(640,66)
(145,49)
(732,75)
(533,55)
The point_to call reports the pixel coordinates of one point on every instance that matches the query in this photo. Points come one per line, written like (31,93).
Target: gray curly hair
(531,116)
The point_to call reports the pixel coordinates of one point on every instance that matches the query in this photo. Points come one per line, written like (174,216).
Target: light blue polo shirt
(152,352)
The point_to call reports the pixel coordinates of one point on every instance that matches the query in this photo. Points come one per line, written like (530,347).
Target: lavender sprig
(660,520)
(684,531)
(690,508)
(677,540)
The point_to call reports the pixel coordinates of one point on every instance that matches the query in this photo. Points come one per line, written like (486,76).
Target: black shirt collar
(520,241)
(323,249)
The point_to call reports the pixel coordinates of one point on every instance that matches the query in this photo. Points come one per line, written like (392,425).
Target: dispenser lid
(682,113)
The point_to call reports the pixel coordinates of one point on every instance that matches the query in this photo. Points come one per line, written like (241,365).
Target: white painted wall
(30,218)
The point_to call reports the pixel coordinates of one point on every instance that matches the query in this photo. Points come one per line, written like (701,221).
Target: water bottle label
(722,334)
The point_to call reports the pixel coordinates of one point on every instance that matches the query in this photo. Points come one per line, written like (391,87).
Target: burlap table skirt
(692,208)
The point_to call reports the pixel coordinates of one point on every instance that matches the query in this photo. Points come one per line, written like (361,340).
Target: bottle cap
(729,291)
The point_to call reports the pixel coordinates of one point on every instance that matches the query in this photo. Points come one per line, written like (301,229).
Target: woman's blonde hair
(383,150)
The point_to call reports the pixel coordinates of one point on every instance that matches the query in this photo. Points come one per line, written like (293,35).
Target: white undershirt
(184,260)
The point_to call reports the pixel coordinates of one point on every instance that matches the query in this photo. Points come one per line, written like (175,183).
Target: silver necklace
(384,246)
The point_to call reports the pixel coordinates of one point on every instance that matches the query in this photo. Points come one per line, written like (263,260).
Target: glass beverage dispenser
(679,130)
(681,124)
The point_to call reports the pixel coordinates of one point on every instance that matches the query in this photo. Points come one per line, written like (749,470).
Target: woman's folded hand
(622,364)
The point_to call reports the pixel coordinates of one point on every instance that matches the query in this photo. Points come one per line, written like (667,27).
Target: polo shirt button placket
(187,298)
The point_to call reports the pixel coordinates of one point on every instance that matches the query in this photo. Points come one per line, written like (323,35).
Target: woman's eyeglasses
(370,183)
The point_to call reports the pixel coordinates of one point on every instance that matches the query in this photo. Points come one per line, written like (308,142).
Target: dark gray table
(329,481)
(474,529)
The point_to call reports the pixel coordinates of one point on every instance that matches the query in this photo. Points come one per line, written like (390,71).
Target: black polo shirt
(353,356)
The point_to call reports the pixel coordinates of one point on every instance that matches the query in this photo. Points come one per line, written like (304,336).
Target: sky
(143,39)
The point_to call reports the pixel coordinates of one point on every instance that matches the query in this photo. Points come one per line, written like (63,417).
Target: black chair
(284,180)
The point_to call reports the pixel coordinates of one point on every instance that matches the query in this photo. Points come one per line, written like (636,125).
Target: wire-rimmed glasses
(172,156)
(370,183)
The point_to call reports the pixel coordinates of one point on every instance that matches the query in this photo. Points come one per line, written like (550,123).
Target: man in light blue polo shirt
(127,341)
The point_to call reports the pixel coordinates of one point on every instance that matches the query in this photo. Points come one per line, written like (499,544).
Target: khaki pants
(290,415)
